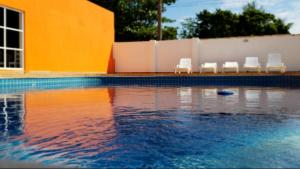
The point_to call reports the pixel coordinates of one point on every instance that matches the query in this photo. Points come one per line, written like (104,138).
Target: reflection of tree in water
(11,115)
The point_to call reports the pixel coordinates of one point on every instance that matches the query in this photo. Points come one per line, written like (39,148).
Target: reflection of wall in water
(185,97)
(11,114)
(155,98)
(205,99)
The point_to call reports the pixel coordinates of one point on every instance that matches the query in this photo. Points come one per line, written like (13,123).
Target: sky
(288,10)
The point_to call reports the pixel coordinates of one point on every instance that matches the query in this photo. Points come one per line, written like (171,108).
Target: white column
(153,55)
(196,54)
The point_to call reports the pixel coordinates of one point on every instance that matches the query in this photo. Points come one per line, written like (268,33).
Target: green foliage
(169,33)
(189,26)
(224,23)
(136,20)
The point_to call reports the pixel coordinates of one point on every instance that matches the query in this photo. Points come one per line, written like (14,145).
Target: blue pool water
(135,126)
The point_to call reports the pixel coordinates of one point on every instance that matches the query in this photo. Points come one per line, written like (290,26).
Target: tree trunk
(159,20)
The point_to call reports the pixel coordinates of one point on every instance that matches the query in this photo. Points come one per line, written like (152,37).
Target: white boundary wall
(134,56)
(162,56)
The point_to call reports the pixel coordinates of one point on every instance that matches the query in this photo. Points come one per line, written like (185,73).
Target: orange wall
(66,35)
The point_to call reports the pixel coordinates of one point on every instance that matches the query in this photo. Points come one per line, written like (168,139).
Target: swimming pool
(138,126)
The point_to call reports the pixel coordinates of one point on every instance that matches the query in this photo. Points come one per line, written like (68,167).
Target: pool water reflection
(134,126)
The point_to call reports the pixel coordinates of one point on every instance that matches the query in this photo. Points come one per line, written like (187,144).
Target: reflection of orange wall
(52,113)
(66,35)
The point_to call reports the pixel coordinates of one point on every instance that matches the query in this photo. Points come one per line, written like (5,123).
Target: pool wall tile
(75,82)
(268,81)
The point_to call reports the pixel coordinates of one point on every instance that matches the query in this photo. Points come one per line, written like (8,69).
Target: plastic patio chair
(275,63)
(252,63)
(209,66)
(230,66)
(185,65)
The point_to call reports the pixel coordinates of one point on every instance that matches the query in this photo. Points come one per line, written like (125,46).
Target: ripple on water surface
(152,127)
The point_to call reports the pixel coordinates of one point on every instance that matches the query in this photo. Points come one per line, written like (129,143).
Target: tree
(136,20)
(224,23)
(189,26)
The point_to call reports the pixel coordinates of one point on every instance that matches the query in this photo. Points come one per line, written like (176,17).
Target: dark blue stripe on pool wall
(267,81)
(69,82)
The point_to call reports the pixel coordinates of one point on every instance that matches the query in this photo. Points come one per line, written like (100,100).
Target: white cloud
(295,17)
(237,5)
(268,3)
(283,14)
(290,14)
(234,5)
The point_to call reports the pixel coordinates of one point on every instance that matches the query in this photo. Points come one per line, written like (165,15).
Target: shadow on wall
(111,63)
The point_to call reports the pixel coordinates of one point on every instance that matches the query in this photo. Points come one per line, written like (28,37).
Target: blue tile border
(19,84)
(75,82)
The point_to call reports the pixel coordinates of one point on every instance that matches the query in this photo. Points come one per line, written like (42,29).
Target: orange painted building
(55,36)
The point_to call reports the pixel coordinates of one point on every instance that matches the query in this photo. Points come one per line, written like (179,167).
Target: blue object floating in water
(225,93)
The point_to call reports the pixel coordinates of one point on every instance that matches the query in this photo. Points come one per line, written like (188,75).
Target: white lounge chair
(274,63)
(252,63)
(230,66)
(208,67)
(185,65)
